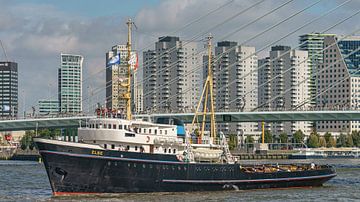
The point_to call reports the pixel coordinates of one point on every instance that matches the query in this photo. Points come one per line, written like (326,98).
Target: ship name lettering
(98,153)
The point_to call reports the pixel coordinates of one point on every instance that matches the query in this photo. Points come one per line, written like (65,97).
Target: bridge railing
(302,109)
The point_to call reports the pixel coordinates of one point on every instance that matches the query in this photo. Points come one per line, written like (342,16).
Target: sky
(35,32)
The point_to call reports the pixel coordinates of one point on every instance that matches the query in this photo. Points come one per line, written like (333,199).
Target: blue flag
(114,60)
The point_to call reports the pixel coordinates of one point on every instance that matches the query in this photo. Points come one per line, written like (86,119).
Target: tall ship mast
(209,96)
(114,155)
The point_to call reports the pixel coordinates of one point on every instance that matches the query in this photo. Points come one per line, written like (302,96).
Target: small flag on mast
(134,61)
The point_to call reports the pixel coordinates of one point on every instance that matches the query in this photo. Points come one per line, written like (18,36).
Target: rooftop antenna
(6,58)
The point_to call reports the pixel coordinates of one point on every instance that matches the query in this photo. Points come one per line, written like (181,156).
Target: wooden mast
(127,95)
(208,92)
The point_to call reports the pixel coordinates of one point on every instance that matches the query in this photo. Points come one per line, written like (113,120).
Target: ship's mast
(127,95)
(207,91)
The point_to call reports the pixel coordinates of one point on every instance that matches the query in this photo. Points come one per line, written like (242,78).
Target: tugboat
(115,155)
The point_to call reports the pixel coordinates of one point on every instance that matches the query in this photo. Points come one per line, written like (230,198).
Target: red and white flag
(134,61)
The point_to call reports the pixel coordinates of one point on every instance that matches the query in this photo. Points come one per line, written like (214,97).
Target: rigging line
(266,14)
(313,21)
(327,13)
(332,85)
(194,21)
(320,70)
(198,35)
(234,81)
(274,42)
(228,19)
(273,10)
(280,75)
(216,26)
(186,25)
(286,19)
(304,80)
(2,46)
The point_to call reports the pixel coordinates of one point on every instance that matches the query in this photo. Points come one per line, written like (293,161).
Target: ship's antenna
(127,95)
(208,91)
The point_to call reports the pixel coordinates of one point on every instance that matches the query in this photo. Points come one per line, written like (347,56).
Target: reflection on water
(27,181)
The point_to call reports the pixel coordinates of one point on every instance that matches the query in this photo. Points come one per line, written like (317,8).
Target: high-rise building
(48,107)
(138,98)
(116,74)
(235,79)
(283,85)
(313,43)
(171,82)
(338,81)
(8,89)
(70,83)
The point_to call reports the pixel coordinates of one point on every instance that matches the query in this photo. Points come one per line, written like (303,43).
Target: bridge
(42,123)
(269,116)
(221,117)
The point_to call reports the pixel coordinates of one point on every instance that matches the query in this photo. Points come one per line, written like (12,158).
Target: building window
(120,127)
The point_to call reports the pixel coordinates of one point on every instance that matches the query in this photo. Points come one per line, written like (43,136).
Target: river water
(27,181)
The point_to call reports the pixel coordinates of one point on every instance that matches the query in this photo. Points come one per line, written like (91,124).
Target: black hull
(74,170)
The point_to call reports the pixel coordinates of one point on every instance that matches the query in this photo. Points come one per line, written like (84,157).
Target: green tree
(341,141)
(313,141)
(349,141)
(283,138)
(268,137)
(332,142)
(322,142)
(232,141)
(249,139)
(27,140)
(327,136)
(298,137)
(356,138)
